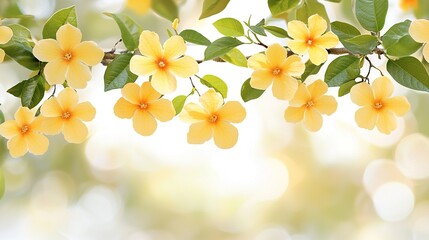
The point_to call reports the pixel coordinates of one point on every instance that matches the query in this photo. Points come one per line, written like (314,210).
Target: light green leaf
(193,36)
(118,73)
(258,28)
(212,7)
(179,102)
(229,27)
(216,83)
(278,7)
(61,17)
(371,14)
(310,69)
(221,47)
(248,93)
(311,7)
(341,70)
(235,57)
(277,31)
(130,30)
(166,8)
(1,117)
(346,87)
(398,42)
(409,72)
(30,91)
(363,44)
(345,31)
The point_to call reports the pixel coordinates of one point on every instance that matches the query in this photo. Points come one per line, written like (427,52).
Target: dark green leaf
(363,44)
(248,93)
(341,70)
(30,91)
(130,30)
(344,31)
(346,87)
(310,69)
(311,7)
(235,57)
(118,73)
(216,83)
(61,17)
(371,14)
(179,102)
(229,27)
(221,47)
(212,7)
(398,42)
(193,36)
(409,72)
(276,31)
(166,9)
(278,7)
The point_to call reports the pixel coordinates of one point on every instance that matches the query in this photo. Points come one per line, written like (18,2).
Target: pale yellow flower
(68,58)
(143,104)
(64,114)
(408,5)
(378,108)
(24,134)
(419,31)
(213,119)
(139,6)
(275,67)
(309,103)
(312,39)
(5,35)
(163,63)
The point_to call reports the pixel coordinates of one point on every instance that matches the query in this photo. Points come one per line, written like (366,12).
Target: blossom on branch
(5,35)
(68,58)
(143,104)
(377,107)
(419,31)
(213,119)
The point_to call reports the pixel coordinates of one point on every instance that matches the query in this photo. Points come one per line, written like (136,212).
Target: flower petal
(2,54)
(301,96)
(37,124)
(75,131)
(183,67)
(84,111)
(294,114)
(284,87)
(312,120)
(149,45)
(17,146)
(162,109)
(426,52)
(148,93)
(382,88)
(386,122)
(225,134)
(143,66)
(144,123)
(293,66)
(326,104)
(9,129)
(52,126)
(257,61)
(366,117)
(24,116)
(139,6)
(193,112)
(211,101)
(199,133)
(68,36)
(317,88)
(47,50)
(5,34)
(37,143)
(51,108)
(419,30)
(55,72)
(164,82)
(261,79)
(174,47)
(78,75)
(328,40)
(361,94)
(297,30)
(276,55)
(298,46)
(399,105)
(68,99)
(124,109)
(131,93)
(89,53)
(316,25)
(232,111)
(318,55)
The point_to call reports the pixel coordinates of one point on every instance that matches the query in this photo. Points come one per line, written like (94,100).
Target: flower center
(276,71)
(309,104)
(68,56)
(310,42)
(378,105)
(66,115)
(162,64)
(213,118)
(143,105)
(25,129)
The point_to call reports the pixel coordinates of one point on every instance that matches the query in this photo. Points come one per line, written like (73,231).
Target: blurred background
(280,182)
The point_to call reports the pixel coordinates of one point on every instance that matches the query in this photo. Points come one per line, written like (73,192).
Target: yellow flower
(213,120)
(407,5)
(311,39)
(309,103)
(68,57)
(64,114)
(139,6)
(144,105)
(378,108)
(5,35)
(163,63)
(419,31)
(24,134)
(275,67)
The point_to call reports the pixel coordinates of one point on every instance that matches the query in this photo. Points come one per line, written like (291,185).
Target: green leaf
(30,91)
(278,7)
(345,31)
(118,73)
(1,117)
(229,27)
(130,30)
(311,7)
(193,36)
(341,70)
(212,7)
(221,47)
(61,17)
(409,72)
(179,102)
(258,28)
(371,14)
(248,93)
(235,57)
(346,87)
(216,83)
(2,183)
(166,8)
(398,42)
(310,69)
(276,31)
(363,44)
(20,47)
